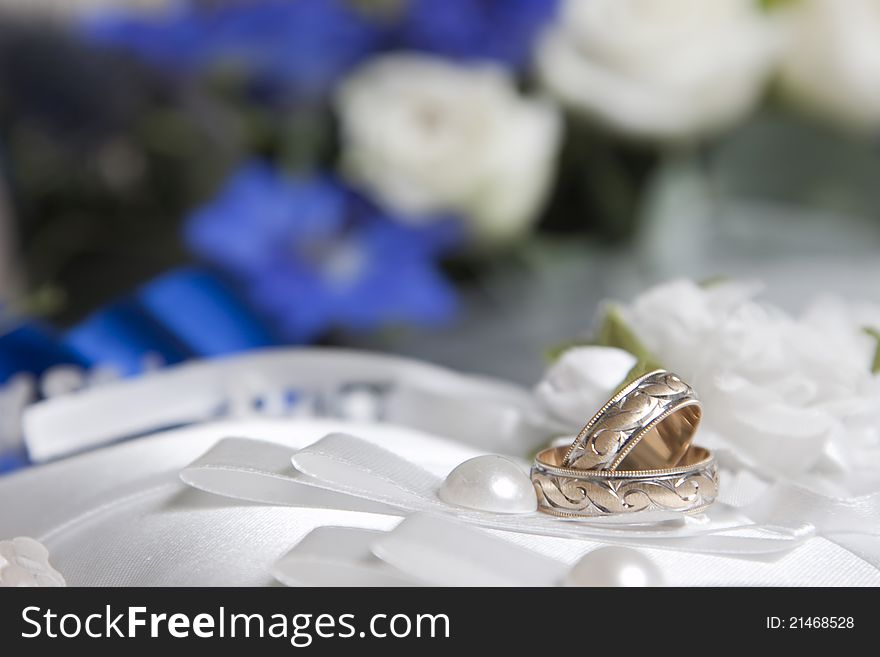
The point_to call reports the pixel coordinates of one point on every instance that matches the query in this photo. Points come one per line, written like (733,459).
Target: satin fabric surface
(122,516)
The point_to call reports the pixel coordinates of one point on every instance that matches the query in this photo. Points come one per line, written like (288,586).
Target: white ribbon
(259,471)
(486,413)
(782,516)
(852,523)
(118,501)
(338,556)
(442,552)
(423,549)
(344,464)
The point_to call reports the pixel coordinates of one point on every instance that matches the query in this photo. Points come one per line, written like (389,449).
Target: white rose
(428,136)
(832,61)
(24,562)
(665,69)
(579,383)
(786,395)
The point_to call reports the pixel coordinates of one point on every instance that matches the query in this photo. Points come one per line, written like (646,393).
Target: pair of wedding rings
(634,455)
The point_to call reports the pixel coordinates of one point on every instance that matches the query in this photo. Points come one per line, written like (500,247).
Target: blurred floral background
(463,181)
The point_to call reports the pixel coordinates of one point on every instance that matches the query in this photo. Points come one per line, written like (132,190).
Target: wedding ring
(688,487)
(658,413)
(634,455)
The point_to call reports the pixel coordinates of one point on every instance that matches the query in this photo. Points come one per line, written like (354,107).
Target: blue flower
(315,255)
(307,45)
(500,30)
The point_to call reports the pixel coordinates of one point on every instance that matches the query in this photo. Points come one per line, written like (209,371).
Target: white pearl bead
(490,483)
(614,566)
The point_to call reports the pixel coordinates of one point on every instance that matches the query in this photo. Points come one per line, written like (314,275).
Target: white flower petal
(787,395)
(25,562)
(832,61)
(666,69)
(580,382)
(428,136)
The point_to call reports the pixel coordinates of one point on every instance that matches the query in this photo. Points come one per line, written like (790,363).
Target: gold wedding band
(688,487)
(634,455)
(658,413)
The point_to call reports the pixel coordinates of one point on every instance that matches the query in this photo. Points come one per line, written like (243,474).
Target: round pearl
(614,566)
(490,483)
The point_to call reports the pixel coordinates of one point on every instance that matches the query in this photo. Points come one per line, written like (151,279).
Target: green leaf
(714,281)
(874,333)
(771,5)
(614,332)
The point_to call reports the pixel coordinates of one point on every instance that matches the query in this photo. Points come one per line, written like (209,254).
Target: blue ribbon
(204,313)
(13,461)
(186,313)
(123,335)
(33,348)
